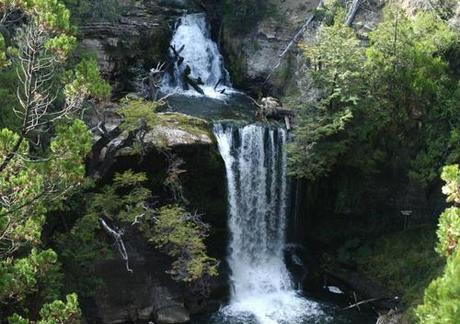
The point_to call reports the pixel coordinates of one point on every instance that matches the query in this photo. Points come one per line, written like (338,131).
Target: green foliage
(405,262)
(138,114)
(397,95)
(441,302)
(182,237)
(95,10)
(60,312)
(33,188)
(125,204)
(449,221)
(337,62)
(449,231)
(451,175)
(8,100)
(85,80)
(19,276)
(442,297)
(56,312)
(3,59)
(36,179)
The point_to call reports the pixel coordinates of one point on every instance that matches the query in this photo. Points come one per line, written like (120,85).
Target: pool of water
(319,313)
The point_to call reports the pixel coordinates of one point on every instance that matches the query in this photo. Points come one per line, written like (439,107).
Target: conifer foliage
(41,161)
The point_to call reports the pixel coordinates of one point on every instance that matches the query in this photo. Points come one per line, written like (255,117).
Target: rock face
(149,293)
(255,54)
(146,294)
(392,317)
(173,130)
(134,42)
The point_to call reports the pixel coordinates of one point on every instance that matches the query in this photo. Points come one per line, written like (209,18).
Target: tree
(442,297)
(42,161)
(127,205)
(395,96)
(96,10)
(336,59)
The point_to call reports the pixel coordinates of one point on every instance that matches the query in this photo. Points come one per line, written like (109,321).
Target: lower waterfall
(262,290)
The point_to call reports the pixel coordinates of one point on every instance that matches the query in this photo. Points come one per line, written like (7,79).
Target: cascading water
(197,58)
(255,161)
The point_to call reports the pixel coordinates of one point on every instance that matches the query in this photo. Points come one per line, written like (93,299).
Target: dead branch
(367,301)
(352,12)
(118,237)
(294,40)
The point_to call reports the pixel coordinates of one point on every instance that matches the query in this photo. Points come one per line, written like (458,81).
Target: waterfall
(195,56)
(255,161)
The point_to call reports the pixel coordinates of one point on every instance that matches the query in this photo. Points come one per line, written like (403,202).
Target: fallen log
(352,12)
(295,39)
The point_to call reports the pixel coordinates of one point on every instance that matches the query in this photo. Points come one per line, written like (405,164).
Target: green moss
(189,124)
(142,116)
(237,68)
(8,100)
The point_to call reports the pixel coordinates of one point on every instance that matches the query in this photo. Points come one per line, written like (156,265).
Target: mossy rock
(175,129)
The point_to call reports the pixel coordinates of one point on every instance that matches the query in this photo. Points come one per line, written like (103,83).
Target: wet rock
(167,309)
(255,54)
(134,42)
(148,293)
(392,317)
(172,315)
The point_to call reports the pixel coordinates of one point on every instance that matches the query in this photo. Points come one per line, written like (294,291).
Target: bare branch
(117,235)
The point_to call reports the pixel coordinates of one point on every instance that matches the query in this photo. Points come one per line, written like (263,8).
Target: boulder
(392,317)
(166,308)
(172,130)
(172,315)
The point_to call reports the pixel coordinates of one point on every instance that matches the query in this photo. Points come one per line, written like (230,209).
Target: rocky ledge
(171,130)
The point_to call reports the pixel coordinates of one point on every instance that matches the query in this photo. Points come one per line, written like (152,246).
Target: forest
(227,162)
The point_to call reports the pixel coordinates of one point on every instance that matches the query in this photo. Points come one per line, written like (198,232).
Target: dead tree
(37,91)
(154,80)
(295,40)
(173,181)
(118,237)
(351,14)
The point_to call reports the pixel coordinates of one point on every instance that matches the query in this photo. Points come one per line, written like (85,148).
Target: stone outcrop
(149,293)
(256,53)
(392,317)
(133,42)
(172,130)
(146,294)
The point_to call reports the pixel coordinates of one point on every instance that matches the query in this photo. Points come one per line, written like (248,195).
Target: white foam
(192,39)
(255,161)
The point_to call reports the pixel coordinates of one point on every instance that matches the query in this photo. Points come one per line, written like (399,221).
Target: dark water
(332,314)
(237,107)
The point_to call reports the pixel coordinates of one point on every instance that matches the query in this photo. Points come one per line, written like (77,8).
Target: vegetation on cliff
(41,154)
(388,105)
(44,91)
(442,297)
(397,95)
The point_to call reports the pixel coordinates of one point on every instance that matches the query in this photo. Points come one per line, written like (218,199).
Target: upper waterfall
(198,67)
(255,161)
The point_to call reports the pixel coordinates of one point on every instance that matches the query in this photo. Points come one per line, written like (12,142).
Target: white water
(201,54)
(255,161)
